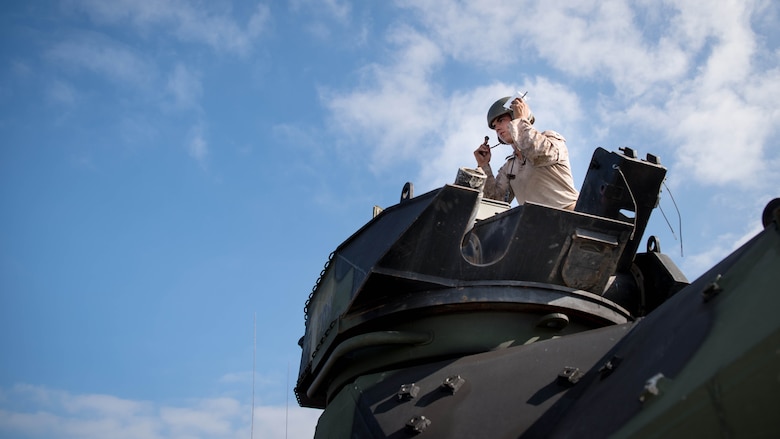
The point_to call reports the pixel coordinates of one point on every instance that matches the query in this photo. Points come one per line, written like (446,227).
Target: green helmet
(497,109)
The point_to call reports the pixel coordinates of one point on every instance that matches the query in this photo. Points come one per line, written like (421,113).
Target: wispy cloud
(38,412)
(206,23)
(323,17)
(197,146)
(103,56)
(697,83)
(185,87)
(62,92)
(721,245)
(236,377)
(137,74)
(338,9)
(686,76)
(371,111)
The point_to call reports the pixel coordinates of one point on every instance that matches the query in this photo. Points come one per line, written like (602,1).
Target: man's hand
(482,153)
(520,109)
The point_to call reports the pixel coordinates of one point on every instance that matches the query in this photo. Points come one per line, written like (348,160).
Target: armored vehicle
(452,315)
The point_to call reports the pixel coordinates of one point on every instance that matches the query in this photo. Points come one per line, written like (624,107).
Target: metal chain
(316,286)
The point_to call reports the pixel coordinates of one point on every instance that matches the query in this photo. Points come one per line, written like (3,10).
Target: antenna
(287,401)
(633,200)
(679,217)
(254,356)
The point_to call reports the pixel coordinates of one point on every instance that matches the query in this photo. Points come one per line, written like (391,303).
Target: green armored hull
(449,315)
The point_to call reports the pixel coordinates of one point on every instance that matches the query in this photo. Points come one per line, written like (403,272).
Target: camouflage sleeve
(539,148)
(497,188)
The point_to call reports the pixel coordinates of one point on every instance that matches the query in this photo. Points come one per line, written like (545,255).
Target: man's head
(498,118)
(496,110)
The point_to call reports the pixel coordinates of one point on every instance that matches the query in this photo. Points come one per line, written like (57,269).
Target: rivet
(418,424)
(712,290)
(610,366)
(453,383)
(569,376)
(408,391)
(652,387)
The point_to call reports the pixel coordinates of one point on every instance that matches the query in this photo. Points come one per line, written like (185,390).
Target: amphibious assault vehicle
(451,315)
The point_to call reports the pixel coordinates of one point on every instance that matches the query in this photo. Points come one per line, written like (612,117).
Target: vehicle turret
(448,312)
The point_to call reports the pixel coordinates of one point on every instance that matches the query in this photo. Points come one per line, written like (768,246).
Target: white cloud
(211,417)
(110,54)
(684,74)
(463,126)
(373,111)
(38,412)
(584,39)
(323,19)
(105,57)
(695,83)
(720,247)
(481,31)
(281,422)
(236,377)
(189,22)
(197,147)
(185,87)
(102,405)
(337,9)
(710,128)
(726,107)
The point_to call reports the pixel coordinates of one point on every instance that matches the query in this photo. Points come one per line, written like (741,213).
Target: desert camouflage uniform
(540,173)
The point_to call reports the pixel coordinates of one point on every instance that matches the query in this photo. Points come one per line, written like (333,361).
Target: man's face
(501,125)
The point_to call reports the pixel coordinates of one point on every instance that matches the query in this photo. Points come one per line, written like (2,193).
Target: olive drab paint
(451,315)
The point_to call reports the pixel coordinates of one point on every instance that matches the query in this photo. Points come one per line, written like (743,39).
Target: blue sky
(173,171)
